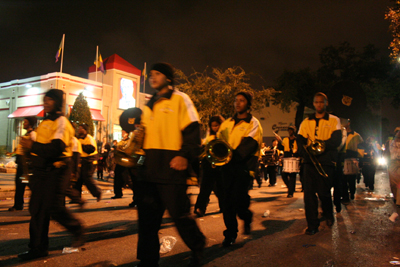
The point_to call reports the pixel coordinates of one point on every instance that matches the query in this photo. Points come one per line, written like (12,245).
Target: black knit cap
(165,69)
(57,96)
(84,126)
(248,96)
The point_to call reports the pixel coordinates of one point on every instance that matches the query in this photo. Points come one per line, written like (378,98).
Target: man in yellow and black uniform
(88,162)
(353,140)
(51,160)
(243,132)
(23,161)
(171,142)
(290,150)
(326,128)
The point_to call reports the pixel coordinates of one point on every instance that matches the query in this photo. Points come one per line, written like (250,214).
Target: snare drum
(291,165)
(350,166)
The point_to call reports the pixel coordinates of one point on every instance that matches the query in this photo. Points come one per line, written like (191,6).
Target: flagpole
(62,52)
(144,79)
(97,60)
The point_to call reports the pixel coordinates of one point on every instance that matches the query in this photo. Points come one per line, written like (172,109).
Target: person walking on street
(171,142)
(22,159)
(243,133)
(322,128)
(51,161)
(88,161)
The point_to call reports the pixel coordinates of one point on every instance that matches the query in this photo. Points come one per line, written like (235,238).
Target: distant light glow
(382,161)
(28,86)
(89,88)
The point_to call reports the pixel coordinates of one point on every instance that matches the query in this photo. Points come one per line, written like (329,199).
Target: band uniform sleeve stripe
(61,128)
(338,125)
(192,112)
(255,127)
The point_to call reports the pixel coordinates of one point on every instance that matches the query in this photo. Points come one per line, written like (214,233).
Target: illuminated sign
(128,93)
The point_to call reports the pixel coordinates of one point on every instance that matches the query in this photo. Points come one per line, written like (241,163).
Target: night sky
(263,37)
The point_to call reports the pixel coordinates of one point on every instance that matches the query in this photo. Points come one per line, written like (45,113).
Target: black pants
(290,181)
(368,171)
(338,186)
(349,185)
(316,186)
(100,174)
(48,200)
(86,177)
(19,186)
(153,199)
(211,181)
(121,178)
(270,171)
(236,199)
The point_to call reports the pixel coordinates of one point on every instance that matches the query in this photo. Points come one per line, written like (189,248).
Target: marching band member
(171,142)
(88,162)
(353,140)
(211,176)
(120,171)
(71,192)
(326,128)
(51,160)
(244,134)
(271,161)
(290,150)
(28,124)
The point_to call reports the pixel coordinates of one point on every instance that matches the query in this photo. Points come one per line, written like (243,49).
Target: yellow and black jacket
(327,129)
(171,129)
(89,148)
(245,137)
(352,143)
(289,147)
(53,141)
(76,155)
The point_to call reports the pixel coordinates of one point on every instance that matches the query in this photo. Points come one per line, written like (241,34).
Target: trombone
(218,152)
(316,147)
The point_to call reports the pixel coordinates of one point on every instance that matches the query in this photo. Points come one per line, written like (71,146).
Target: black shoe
(290,195)
(32,254)
(78,238)
(228,241)
(132,204)
(330,222)
(200,212)
(247,228)
(14,208)
(271,185)
(311,231)
(338,208)
(115,197)
(352,196)
(195,259)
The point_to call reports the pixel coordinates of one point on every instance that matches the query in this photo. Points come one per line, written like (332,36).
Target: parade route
(363,235)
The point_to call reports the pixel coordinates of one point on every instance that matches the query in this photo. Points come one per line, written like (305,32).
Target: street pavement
(363,235)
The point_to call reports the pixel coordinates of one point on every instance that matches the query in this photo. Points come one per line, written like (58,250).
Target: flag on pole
(144,74)
(99,64)
(59,51)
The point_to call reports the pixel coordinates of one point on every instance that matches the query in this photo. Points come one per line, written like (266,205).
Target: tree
(80,113)
(295,87)
(375,74)
(393,14)
(213,92)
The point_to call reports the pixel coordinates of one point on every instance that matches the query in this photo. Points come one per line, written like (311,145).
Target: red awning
(27,112)
(96,115)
